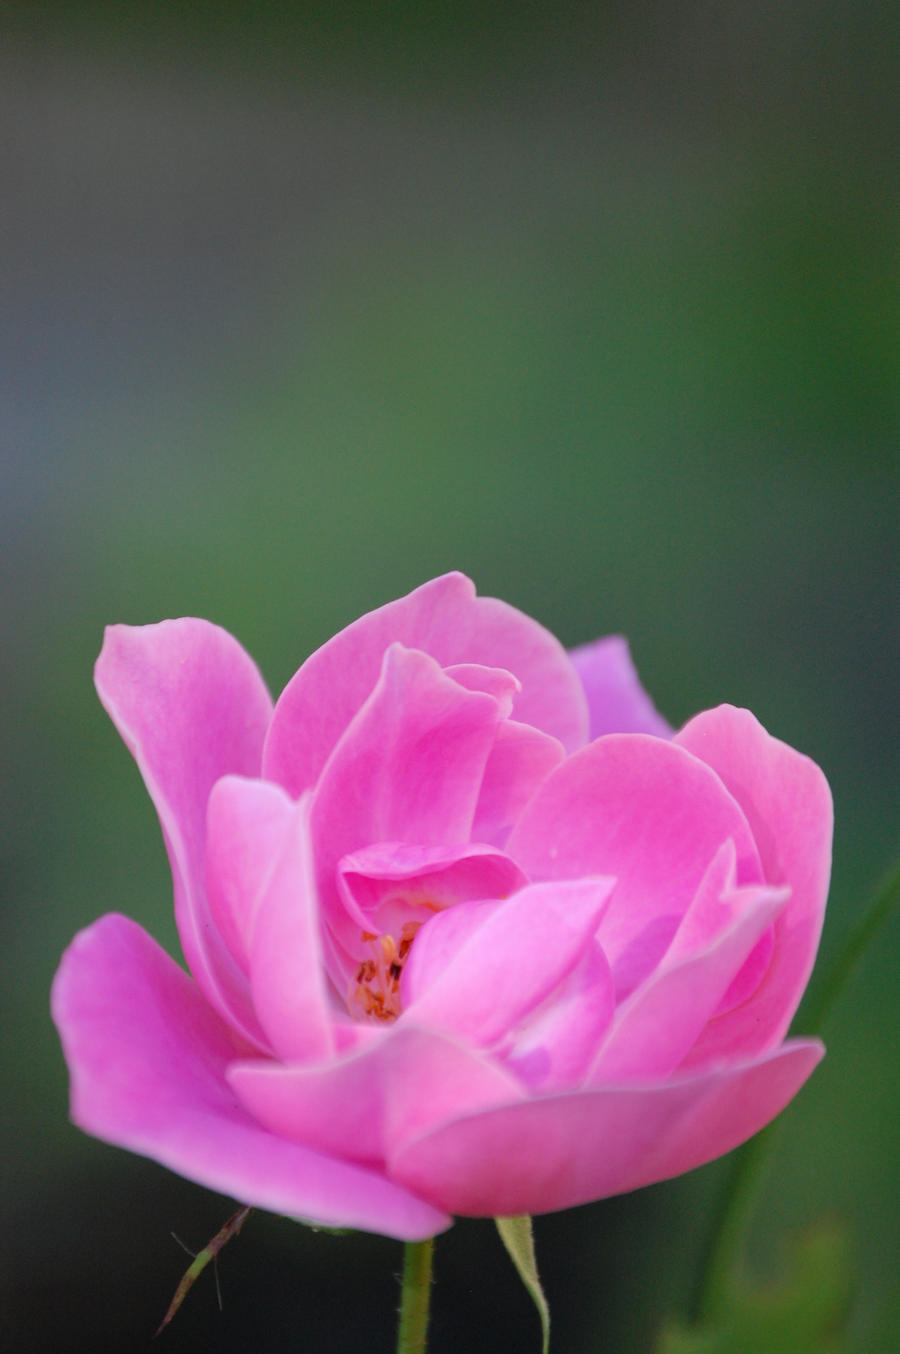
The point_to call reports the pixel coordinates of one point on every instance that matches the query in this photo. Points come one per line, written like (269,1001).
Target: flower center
(375,989)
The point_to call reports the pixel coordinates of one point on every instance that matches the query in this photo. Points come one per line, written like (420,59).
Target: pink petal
(407,769)
(443,618)
(617,702)
(506,966)
(148,1059)
(564,1150)
(788,806)
(707,917)
(247,823)
(287,975)
(191,707)
(496,682)
(395,1086)
(557,1044)
(389,883)
(519,762)
(649,813)
(656,1026)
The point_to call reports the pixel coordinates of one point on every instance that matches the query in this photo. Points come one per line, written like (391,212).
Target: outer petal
(394,1087)
(788,805)
(647,812)
(191,707)
(616,700)
(445,619)
(148,1058)
(564,1150)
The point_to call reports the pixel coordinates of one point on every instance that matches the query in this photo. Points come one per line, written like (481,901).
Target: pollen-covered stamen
(375,990)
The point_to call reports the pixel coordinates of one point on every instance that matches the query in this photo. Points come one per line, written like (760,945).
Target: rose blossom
(470,930)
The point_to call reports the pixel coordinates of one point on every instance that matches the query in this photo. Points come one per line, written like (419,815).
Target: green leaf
(516,1235)
(804,1312)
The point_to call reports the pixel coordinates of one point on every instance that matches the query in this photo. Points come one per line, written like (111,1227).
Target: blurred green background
(305,304)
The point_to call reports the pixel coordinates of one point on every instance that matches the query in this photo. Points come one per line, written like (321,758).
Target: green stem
(415,1297)
(730,1224)
(844,965)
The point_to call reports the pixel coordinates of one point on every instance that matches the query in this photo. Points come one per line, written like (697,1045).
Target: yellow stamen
(375,990)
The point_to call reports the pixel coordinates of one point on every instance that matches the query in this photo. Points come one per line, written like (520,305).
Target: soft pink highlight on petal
(148,1059)
(788,805)
(508,965)
(247,823)
(445,619)
(519,763)
(645,811)
(616,700)
(287,976)
(191,707)
(563,1150)
(397,1086)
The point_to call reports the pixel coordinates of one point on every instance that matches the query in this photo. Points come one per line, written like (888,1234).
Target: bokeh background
(305,304)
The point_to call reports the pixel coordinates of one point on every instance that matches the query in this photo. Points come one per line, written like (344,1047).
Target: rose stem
(732,1217)
(415,1297)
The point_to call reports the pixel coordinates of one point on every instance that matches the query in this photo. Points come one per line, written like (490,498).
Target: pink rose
(448,955)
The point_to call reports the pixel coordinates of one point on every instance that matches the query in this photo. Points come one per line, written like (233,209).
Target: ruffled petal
(563,1150)
(191,707)
(617,703)
(787,802)
(445,619)
(511,960)
(408,768)
(644,810)
(388,884)
(657,1025)
(148,1059)
(356,1107)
